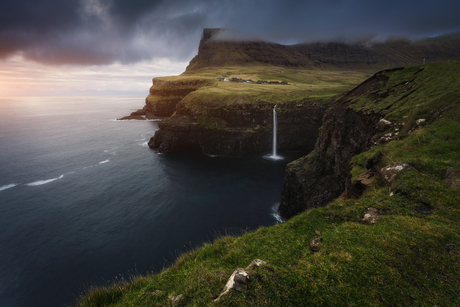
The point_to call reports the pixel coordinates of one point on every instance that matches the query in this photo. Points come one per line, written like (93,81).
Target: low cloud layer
(103,32)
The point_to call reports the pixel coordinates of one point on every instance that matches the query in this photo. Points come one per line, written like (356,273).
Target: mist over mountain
(223,47)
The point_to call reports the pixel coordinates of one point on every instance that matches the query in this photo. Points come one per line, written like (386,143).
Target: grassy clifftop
(410,256)
(207,91)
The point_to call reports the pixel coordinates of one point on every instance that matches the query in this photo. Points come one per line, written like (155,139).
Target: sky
(115,47)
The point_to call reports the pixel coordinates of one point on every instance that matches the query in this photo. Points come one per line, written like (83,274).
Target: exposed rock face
(318,179)
(241,129)
(165,95)
(367,178)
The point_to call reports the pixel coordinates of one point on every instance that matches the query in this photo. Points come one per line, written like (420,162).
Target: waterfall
(274,132)
(274,155)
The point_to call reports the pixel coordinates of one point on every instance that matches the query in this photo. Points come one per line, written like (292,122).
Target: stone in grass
(389,172)
(419,121)
(175,299)
(452,177)
(315,244)
(371,216)
(156,292)
(240,279)
(383,125)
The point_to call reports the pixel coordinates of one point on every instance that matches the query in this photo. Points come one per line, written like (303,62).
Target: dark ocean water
(84,200)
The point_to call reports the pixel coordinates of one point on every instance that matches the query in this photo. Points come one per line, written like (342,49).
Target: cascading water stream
(274,132)
(274,155)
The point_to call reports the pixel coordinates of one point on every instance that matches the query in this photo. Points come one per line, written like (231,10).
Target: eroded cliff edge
(239,129)
(323,175)
(405,99)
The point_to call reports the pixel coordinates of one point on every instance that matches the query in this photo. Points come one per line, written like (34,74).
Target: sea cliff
(240,129)
(388,106)
(391,149)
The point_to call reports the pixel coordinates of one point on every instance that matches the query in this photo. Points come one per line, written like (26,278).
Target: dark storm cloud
(106,31)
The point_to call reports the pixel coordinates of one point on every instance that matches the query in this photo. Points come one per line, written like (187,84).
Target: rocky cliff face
(324,175)
(239,130)
(165,95)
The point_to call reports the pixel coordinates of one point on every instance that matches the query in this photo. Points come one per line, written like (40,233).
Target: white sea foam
(41,182)
(8,186)
(105,161)
(144,144)
(276,214)
(111,151)
(272,157)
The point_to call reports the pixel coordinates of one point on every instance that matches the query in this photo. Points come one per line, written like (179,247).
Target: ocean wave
(41,182)
(111,151)
(8,186)
(144,144)
(105,161)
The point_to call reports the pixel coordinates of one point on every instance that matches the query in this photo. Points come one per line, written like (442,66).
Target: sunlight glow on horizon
(22,77)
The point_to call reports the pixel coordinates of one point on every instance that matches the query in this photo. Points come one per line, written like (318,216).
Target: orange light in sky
(22,77)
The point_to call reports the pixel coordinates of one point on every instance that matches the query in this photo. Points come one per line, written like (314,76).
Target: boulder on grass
(371,216)
(315,244)
(240,279)
(383,125)
(389,172)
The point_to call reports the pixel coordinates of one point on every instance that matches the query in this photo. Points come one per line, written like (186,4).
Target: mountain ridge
(216,50)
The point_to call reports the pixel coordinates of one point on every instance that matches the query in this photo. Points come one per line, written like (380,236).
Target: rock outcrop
(390,172)
(141,114)
(240,278)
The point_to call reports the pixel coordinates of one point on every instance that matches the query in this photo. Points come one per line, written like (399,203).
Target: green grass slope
(302,84)
(410,257)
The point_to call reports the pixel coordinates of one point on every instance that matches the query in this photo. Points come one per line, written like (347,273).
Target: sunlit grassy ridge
(410,257)
(302,84)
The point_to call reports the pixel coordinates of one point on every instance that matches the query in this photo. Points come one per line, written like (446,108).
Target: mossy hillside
(412,92)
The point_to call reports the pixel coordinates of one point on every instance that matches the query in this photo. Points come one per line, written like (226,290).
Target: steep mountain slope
(218,49)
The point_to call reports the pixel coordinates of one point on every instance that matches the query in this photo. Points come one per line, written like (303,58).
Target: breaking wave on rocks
(275,213)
